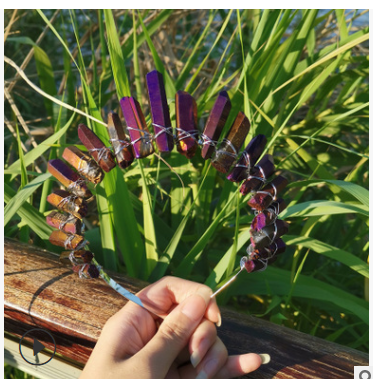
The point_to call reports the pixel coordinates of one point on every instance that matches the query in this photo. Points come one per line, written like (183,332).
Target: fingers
(238,365)
(201,341)
(168,292)
(126,332)
(174,333)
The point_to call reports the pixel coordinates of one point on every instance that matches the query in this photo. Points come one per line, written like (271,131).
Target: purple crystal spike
(186,124)
(160,111)
(248,158)
(215,124)
(227,153)
(137,129)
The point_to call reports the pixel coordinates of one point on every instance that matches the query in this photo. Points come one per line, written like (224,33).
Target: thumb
(174,333)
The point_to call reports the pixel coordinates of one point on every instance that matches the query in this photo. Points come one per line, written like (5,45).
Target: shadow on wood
(38,292)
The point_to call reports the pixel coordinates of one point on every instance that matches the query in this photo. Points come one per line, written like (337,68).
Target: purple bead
(215,124)
(137,129)
(248,159)
(160,111)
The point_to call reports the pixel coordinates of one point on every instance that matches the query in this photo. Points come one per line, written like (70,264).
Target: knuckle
(173,332)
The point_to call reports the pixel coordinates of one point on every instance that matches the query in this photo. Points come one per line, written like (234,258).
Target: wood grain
(38,292)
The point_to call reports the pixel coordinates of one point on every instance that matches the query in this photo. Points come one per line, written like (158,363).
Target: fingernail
(195,358)
(202,375)
(218,324)
(208,369)
(194,307)
(266,358)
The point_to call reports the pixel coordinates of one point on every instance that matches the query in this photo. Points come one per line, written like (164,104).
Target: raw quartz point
(86,271)
(100,153)
(277,247)
(121,144)
(258,174)
(69,178)
(269,215)
(62,221)
(267,194)
(76,257)
(227,153)
(66,202)
(140,137)
(215,124)
(267,235)
(186,124)
(160,111)
(84,164)
(248,159)
(68,241)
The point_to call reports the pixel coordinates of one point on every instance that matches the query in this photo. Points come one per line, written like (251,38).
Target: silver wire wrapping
(76,187)
(122,145)
(165,129)
(234,153)
(205,140)
(185,134)
(147,137)
(102,152)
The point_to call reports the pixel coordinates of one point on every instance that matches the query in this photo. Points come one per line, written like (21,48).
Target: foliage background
(302,79)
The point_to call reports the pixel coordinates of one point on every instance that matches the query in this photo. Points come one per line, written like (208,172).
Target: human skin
(136,344)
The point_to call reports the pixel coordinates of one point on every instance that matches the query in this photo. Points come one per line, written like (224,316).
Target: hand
(185,345)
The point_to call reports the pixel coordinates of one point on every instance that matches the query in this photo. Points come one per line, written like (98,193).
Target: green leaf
(116,56)
(35,153)
(30,216)
(323,207)
(342,256)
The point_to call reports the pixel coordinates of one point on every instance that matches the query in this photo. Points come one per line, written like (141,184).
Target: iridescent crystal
(86,271)
(141,139)
(83,163)
(186,124)
(76,257)
(68,241)
(215,124)
(268,215)
(121,144)
(66,202)
(160,111)
(100,153)
(258,174)
(277,247)
(69,178)
(248,159)
(267,194)
(266,236)
(228,150)
(62,221)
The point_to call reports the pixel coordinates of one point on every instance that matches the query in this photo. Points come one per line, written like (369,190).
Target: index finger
(165,294)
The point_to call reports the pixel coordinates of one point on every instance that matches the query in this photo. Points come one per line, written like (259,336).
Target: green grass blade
(323,207)
(30,216)
(16,202)
(342,256)
(116,56)
(35,153)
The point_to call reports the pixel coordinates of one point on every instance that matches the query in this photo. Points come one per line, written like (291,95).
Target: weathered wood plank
(39,292)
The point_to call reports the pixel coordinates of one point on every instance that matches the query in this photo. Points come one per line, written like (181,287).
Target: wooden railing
(39,292)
